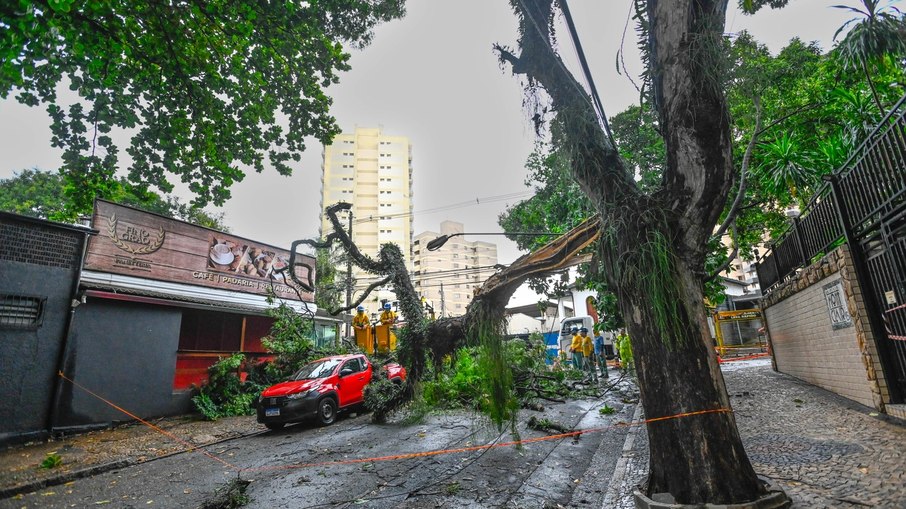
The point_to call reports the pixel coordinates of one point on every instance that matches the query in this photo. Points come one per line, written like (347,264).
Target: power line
(577,45)
(602,118)
(477,201)
(445,273)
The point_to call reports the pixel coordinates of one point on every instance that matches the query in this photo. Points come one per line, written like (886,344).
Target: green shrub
(52,460)
(290,340)
(224,393)
(382,396)
(459,385)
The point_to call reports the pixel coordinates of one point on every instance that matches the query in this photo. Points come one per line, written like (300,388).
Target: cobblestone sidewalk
(824,450)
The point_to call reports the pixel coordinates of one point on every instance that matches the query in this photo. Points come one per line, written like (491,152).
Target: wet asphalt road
(278,464)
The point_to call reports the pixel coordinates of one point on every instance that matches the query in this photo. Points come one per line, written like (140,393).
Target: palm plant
(877,34)
(832,152)
(784,167)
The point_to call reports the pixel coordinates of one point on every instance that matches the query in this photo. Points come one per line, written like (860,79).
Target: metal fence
(864,205)
(870,188)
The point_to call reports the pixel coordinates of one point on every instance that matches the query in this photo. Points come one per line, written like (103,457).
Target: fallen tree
(422,340)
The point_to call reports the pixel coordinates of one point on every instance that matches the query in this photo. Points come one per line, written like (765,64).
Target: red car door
(353,379)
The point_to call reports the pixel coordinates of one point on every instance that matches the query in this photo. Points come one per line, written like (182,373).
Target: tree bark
(654,246)
(699,458)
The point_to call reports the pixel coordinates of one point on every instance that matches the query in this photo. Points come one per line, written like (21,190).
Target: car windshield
(317,369)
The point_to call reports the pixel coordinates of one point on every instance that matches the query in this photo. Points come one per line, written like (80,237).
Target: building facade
(447,278)
(373,172)
(136,312)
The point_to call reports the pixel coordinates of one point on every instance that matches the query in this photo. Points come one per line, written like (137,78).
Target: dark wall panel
(124,351)
(37,260)
(29,357)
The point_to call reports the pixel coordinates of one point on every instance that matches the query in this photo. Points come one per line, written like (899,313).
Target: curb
(65,478)
(611,498)
(104,468)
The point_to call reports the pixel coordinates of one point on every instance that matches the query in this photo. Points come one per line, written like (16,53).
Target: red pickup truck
(320,389)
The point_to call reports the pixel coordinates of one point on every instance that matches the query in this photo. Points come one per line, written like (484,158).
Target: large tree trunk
(697,458)
(654,246)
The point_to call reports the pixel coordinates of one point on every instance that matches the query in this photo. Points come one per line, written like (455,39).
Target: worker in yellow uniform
(386,339)
(588,352)
(360,320)
(576,349)
(388,317)
(362,329)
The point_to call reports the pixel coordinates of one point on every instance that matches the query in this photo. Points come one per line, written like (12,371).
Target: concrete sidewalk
(824,450)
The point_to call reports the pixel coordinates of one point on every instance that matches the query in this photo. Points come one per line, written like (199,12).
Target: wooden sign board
(141,244)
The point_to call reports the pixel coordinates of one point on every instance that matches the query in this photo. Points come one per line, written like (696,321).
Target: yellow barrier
(386,339)
(365,340)
(721,317)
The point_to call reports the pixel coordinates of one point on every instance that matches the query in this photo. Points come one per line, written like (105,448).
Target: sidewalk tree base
(774,498)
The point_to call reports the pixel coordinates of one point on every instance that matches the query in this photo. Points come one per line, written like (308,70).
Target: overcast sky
(433,77)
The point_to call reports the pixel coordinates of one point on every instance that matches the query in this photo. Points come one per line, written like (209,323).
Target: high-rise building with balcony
(448,277)
(373,171)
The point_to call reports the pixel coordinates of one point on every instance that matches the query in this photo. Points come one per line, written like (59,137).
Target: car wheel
(327,411)
(274,425)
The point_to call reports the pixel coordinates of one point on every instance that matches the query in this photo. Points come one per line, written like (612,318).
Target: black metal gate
(868,197)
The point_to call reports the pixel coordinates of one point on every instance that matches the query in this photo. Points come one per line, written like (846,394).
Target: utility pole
(349,274)
(443,309)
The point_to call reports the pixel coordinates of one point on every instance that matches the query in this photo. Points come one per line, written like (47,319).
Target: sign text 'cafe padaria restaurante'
(161,301)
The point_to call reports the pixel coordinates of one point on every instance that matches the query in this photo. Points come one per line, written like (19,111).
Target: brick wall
(39,245)
(806,344)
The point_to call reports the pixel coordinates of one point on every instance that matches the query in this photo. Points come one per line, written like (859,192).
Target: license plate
(271,412)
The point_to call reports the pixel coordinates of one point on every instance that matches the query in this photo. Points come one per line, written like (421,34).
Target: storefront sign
(141,244)
(738,316)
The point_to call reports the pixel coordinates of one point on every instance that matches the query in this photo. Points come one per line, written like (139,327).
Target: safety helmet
(583,329)
(574,329)
(360,308)
(387,306)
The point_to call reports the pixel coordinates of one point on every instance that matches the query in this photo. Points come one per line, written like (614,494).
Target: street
(824,450)
(538,474)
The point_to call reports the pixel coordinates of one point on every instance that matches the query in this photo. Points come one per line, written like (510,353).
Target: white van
(566,335)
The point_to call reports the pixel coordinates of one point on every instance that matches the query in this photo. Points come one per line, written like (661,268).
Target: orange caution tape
(190,447)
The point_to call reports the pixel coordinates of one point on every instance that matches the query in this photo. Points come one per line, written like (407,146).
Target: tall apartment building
(373,171)
(447,278)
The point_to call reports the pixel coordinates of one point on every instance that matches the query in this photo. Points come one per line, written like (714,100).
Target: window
(212,331)
(355,364)
(21,312)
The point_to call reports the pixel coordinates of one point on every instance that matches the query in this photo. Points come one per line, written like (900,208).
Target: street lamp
(438,242)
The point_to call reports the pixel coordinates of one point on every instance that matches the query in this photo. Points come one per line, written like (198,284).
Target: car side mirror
(346,371)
